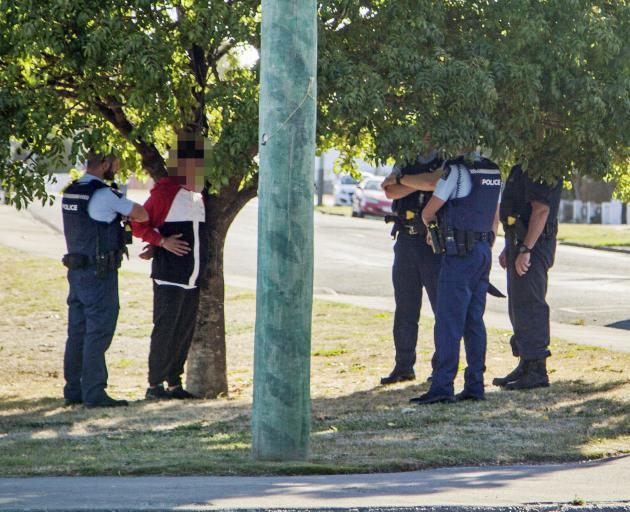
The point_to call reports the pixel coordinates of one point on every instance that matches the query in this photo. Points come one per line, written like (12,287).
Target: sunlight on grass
(357,425)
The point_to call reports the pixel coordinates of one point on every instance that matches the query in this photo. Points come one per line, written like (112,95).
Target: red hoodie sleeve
(157,206)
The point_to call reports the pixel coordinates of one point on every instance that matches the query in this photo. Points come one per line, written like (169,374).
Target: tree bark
(206,372)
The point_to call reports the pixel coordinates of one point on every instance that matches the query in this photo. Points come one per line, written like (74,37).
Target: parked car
(343,190)
(369,199)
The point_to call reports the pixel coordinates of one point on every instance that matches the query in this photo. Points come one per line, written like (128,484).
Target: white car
(343,190)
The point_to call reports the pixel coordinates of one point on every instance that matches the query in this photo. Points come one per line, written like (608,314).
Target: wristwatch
(523,249)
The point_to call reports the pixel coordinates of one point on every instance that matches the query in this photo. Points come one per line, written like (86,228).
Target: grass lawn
(357,425)
(344,211)
(595,234)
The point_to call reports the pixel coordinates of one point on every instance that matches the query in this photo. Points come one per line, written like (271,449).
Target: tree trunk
(206,374)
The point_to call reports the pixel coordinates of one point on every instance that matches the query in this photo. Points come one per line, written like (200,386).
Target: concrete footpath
(601,485)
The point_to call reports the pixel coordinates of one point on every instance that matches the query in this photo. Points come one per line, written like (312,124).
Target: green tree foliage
(543,81)
(123,76)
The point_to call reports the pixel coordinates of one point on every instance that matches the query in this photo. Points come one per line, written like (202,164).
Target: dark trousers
(174,315)
(92,315)
(528,308)
(461,302)
(415,267)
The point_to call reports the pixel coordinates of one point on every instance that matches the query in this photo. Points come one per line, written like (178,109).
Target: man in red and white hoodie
(178,242)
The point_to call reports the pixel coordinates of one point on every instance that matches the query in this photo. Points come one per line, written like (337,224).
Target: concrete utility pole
(281,414)
(320,181)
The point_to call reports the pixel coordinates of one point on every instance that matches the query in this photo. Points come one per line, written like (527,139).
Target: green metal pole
(284,293)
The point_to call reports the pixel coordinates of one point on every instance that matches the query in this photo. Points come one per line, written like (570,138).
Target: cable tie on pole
(266,138)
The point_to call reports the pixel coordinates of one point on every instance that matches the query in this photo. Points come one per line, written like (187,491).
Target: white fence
(611,212)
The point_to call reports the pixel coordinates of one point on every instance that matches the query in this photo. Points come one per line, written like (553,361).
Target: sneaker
(157,393)
(107,401)
(179,393)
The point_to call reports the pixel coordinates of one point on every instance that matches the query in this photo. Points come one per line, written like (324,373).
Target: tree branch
(152,161)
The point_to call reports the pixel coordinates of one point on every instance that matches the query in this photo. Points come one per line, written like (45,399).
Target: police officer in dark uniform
(415,265)
(465,201)
(529,212)
(95,239)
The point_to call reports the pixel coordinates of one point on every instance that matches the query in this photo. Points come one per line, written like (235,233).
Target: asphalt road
(353,257)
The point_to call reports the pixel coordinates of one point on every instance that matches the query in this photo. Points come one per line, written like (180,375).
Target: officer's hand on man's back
(138,213)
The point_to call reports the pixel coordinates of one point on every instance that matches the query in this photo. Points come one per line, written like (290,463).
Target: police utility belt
(409,223)
(104,262)
(516,229)
(456,242)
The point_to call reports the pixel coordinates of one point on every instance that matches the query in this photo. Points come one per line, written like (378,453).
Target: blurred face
(191,169)
(188,171)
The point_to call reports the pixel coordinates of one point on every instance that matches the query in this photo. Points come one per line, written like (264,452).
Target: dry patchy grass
(357,425)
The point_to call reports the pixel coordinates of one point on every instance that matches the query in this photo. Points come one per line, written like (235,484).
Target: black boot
(515,374)
(157,393)
(534,376)
(107,401)
(396,376)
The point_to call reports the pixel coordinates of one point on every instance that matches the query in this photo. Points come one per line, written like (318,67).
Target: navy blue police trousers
(415,267)
(92,315)
(527,304)
(461,302)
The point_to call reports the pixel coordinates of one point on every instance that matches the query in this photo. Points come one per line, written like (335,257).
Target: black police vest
(416,201)
(476,211)
(85,235)
(516,199)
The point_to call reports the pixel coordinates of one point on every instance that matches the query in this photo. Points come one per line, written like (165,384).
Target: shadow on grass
(367,431)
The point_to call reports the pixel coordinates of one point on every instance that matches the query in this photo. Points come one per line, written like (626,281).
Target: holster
(461,243)
(75,261)
(127,233)
(450,244)
(517,231)
(437,239)
(396,227)
(107,262)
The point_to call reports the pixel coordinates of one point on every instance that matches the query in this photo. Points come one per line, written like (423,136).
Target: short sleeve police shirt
(521,190)
(105,205)
(456,183)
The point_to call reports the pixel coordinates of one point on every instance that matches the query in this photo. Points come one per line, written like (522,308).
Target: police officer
(95,241)
(529,212)
(415,264)
(465,201)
